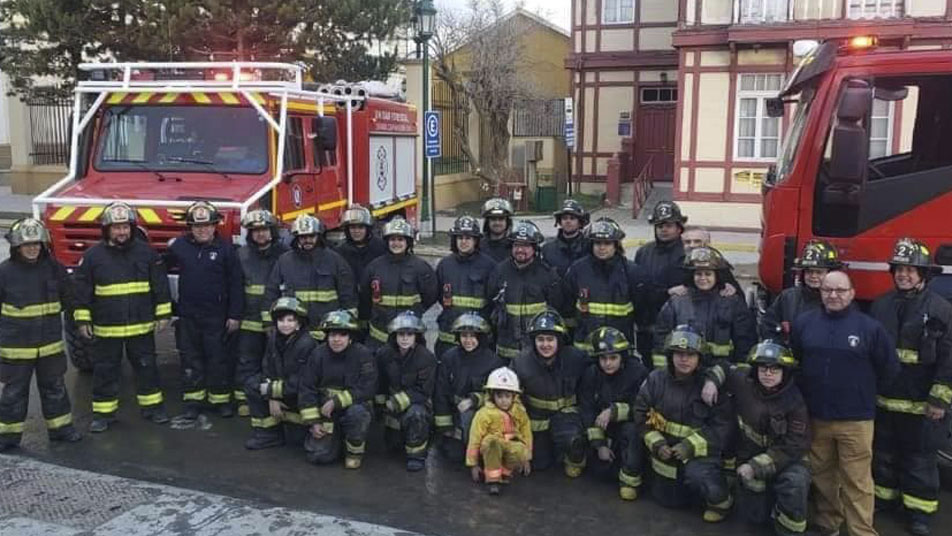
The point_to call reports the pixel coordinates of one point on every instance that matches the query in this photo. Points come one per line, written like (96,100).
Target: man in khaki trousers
(844,356)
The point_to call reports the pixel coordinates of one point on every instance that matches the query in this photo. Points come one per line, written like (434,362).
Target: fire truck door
(297,192)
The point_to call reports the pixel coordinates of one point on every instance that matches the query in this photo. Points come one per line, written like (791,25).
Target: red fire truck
(160,136)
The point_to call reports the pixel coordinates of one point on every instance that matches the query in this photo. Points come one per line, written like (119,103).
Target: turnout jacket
(520,293)
(561,252)
(350,377)
(210,279)
(393,284)
(32,295)
(920,323)
(490,421)
(726,323)
(319,278)
(778,318)
(498,250)
(602,293)
(550,387)
(256,266)
(661,265)
(122,290)
(774,426)
(462,375)
(408,379)
(462,280)
(600,391)
(284,360)
(357,257)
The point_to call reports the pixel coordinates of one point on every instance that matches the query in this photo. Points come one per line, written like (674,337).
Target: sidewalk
(40,499)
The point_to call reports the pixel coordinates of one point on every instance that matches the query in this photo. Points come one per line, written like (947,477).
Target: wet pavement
(440,500)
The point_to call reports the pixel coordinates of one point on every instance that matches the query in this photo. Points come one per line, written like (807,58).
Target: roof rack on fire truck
(244,78)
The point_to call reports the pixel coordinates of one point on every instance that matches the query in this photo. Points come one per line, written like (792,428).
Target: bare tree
(479,56)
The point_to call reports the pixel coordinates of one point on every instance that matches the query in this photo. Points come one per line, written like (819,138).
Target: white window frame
(761,96)
(779,8)
(616,9)
(890,118)
(875,9)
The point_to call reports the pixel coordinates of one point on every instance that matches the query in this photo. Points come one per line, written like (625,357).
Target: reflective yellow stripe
(583,346)
(150,400)
(923,505)
(131,330)
(32,353)
(622,411)
(677,429)
(254,290)
(443,421)
(11,427)
(663,469)
(539,425)
(942,392)
(595,433)
(907,356)
(265,316)
(116,98)
(122,289)
(239,395)
(201,98)
(322,296)
(62,213)
(168,97)
(659,361)
(396,206)
(417,449)
(525,309)
(699,443)
(228,98)
(886,494)
(506,352)
(345,398)
(791,524)
(277,389)
(390,300)
(251,325)
(59,422)
(356,447)
(30,311)
(765,462)
(310,414)
(141,98)
(149,215)
(448,338)
(901,406)
(377,333)
(606,309)
(332,205)
(755,485)
(91,214)
(468,301)
(105,406)
(720,350)
(758,439)
(163,309)
(551,405)
(624,478)
(266,422)
(82,315)
(294,418)
(216,398)
(194,396)
(653,438)
(402,399)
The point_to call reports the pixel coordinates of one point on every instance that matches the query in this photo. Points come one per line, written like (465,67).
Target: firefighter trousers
(250,349)
(676,485)
(289,424)
(107,371)
(205,363)
(563,439)
(644,341)
(622,439)
(782,498)
(501,457)
(905,463)
(408,431)
(15,397)
(454,448)
(347,431)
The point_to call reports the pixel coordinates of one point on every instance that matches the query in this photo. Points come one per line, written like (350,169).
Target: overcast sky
(556,11)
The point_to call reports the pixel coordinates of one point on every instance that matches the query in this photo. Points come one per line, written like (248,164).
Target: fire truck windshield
(205,139)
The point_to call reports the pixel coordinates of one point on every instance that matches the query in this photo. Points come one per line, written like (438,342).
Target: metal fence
(49,127)
(453,159)
(538,119)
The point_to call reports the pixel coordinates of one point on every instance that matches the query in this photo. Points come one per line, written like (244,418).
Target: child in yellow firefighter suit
(500,433)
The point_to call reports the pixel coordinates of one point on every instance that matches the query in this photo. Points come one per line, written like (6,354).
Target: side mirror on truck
(849,152)
(324,133)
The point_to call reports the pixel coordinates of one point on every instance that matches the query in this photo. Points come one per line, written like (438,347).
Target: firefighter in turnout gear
(815,261)
(550,372)
(209,308)
(462,277)
(273,392)
(336,394)
(497,221)
(606,396)
(682,434)
(34,289)
(604,285)
(315,275)
(501,434)
(395,282)
(773,441)
(408,376)
(521,288)
(725,321)
(257,257)
(122,297)
(459,382)
(912,417)
(571,244)
(360,245)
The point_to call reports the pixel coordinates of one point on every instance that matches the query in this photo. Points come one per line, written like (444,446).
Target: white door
(406,166)
(382,164)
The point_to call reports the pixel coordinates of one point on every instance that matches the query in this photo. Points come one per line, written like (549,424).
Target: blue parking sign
(431,134)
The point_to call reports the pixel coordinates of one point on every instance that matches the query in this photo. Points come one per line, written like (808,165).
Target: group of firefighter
(537,362)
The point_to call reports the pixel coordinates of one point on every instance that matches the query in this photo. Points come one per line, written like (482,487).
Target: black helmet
(705,258)
(667,211)
(685,338)
(771,353)
(202,213)
(911,252)
(608,340)
(497,207)
(606,229)
(818,254)
(573,207)
(470,322)
(466,226)
(526,231)
(547,321)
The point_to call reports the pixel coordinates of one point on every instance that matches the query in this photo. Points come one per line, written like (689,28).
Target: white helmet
(503,379)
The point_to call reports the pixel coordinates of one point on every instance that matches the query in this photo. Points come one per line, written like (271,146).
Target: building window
(759,11)
(618,11)
(659,95)
(881,129)
(875,9)
(756,135)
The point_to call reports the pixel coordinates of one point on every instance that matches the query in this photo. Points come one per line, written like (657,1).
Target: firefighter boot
(66,434)
(100,424)
(918,525)
(226,410)
(575,458)
(628,493)
(352,461)
(263,438)
(715,513)
(156,414)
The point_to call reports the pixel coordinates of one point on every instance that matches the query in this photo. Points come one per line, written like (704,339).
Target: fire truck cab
(866,160)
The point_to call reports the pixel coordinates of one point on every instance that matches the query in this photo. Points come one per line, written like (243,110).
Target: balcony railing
(780,11)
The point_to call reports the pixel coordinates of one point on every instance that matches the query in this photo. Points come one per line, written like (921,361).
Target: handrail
(643,185)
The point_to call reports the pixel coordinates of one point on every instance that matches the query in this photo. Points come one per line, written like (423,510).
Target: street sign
(431,134)
(569,133)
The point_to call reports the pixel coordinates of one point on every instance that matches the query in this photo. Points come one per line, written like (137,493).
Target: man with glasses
(845,356)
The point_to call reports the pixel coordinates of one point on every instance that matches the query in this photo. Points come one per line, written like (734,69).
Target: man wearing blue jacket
(209,307)
(845,357)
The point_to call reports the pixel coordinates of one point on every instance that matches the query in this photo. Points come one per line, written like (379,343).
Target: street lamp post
(424,17)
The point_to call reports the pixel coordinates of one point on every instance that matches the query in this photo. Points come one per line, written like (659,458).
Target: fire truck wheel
(77,348)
